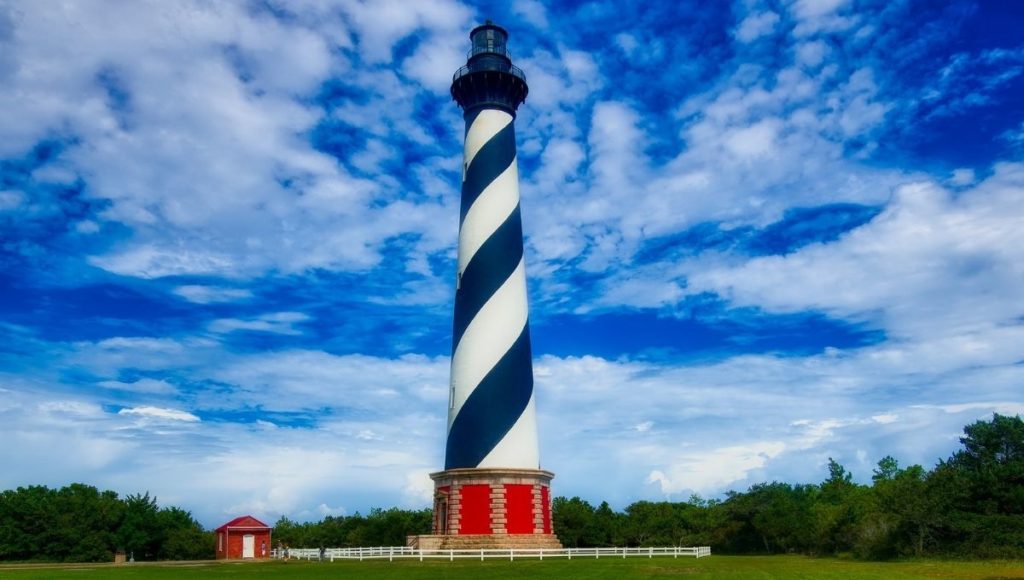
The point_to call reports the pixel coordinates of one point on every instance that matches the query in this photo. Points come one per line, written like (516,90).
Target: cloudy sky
(758,235)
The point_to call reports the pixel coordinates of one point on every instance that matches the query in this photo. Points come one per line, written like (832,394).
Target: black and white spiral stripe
(491,418)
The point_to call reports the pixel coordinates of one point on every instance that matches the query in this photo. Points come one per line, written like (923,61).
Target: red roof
(244,522)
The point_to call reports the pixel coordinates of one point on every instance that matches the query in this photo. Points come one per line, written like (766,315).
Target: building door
(248,546)
(442,514)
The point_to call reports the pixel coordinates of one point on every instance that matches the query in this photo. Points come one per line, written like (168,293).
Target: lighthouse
(492,492)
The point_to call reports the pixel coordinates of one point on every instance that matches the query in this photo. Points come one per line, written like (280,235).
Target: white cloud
(817,8)
(419,488)
(325,510)
(1003,408)
(276,322)
(73,408)
(160,413)
(815,16)
(10,199)
(755,141)
(963,176)
(203,154)
(1014,136)
(917,269)
(532,11)
(152,262)
(106,357)
(151,386)
(811,54)
(380,25)
(308,380)
(756,25)
(628,43)
(710,470)
(87,227)
(212,294)
(741,143)
(557,80)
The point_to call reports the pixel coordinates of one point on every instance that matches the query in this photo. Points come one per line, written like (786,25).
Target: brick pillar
(455,509)
(498,511)
(538,509)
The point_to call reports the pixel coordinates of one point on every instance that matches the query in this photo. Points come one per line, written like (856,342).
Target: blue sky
(758,235)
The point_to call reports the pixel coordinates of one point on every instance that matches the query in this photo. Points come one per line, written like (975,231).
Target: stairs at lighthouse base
(501,542)
(487,542)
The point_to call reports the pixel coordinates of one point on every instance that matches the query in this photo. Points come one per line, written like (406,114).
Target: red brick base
(506,504)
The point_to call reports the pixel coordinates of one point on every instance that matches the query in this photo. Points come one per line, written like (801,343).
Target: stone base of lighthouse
(491,508)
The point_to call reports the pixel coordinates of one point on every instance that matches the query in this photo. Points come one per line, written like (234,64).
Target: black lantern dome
(489,78)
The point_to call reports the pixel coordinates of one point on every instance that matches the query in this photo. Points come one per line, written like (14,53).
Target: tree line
(380,527)
(969,505)
(79,523)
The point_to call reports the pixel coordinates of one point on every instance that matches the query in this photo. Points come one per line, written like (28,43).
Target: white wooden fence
(392,553)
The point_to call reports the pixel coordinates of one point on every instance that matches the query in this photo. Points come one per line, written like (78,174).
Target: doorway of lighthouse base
(441,513)
(248,546)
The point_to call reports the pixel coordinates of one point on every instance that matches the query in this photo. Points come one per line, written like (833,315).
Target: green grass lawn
(783,567)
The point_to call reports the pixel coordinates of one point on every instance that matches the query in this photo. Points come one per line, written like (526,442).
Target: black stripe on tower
(492,264)
(493,408)
(489,162)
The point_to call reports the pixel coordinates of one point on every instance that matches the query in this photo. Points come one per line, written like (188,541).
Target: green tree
(652,523)
(903,513)
(571,518)
(605,527)
(183,537)
(980,490)
(993,462)
(292,534)
(28,518)
(837,514)
(140,534)
(887,469)
(79,523)
(708,522)
(86,521)
(784,516)
(390,527)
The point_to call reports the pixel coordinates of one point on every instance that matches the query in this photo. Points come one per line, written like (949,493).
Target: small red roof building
(243,537)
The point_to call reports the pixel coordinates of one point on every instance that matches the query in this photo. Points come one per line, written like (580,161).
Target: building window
(220,542)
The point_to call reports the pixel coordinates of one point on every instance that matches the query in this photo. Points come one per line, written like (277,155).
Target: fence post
(451,555)
(542,554)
